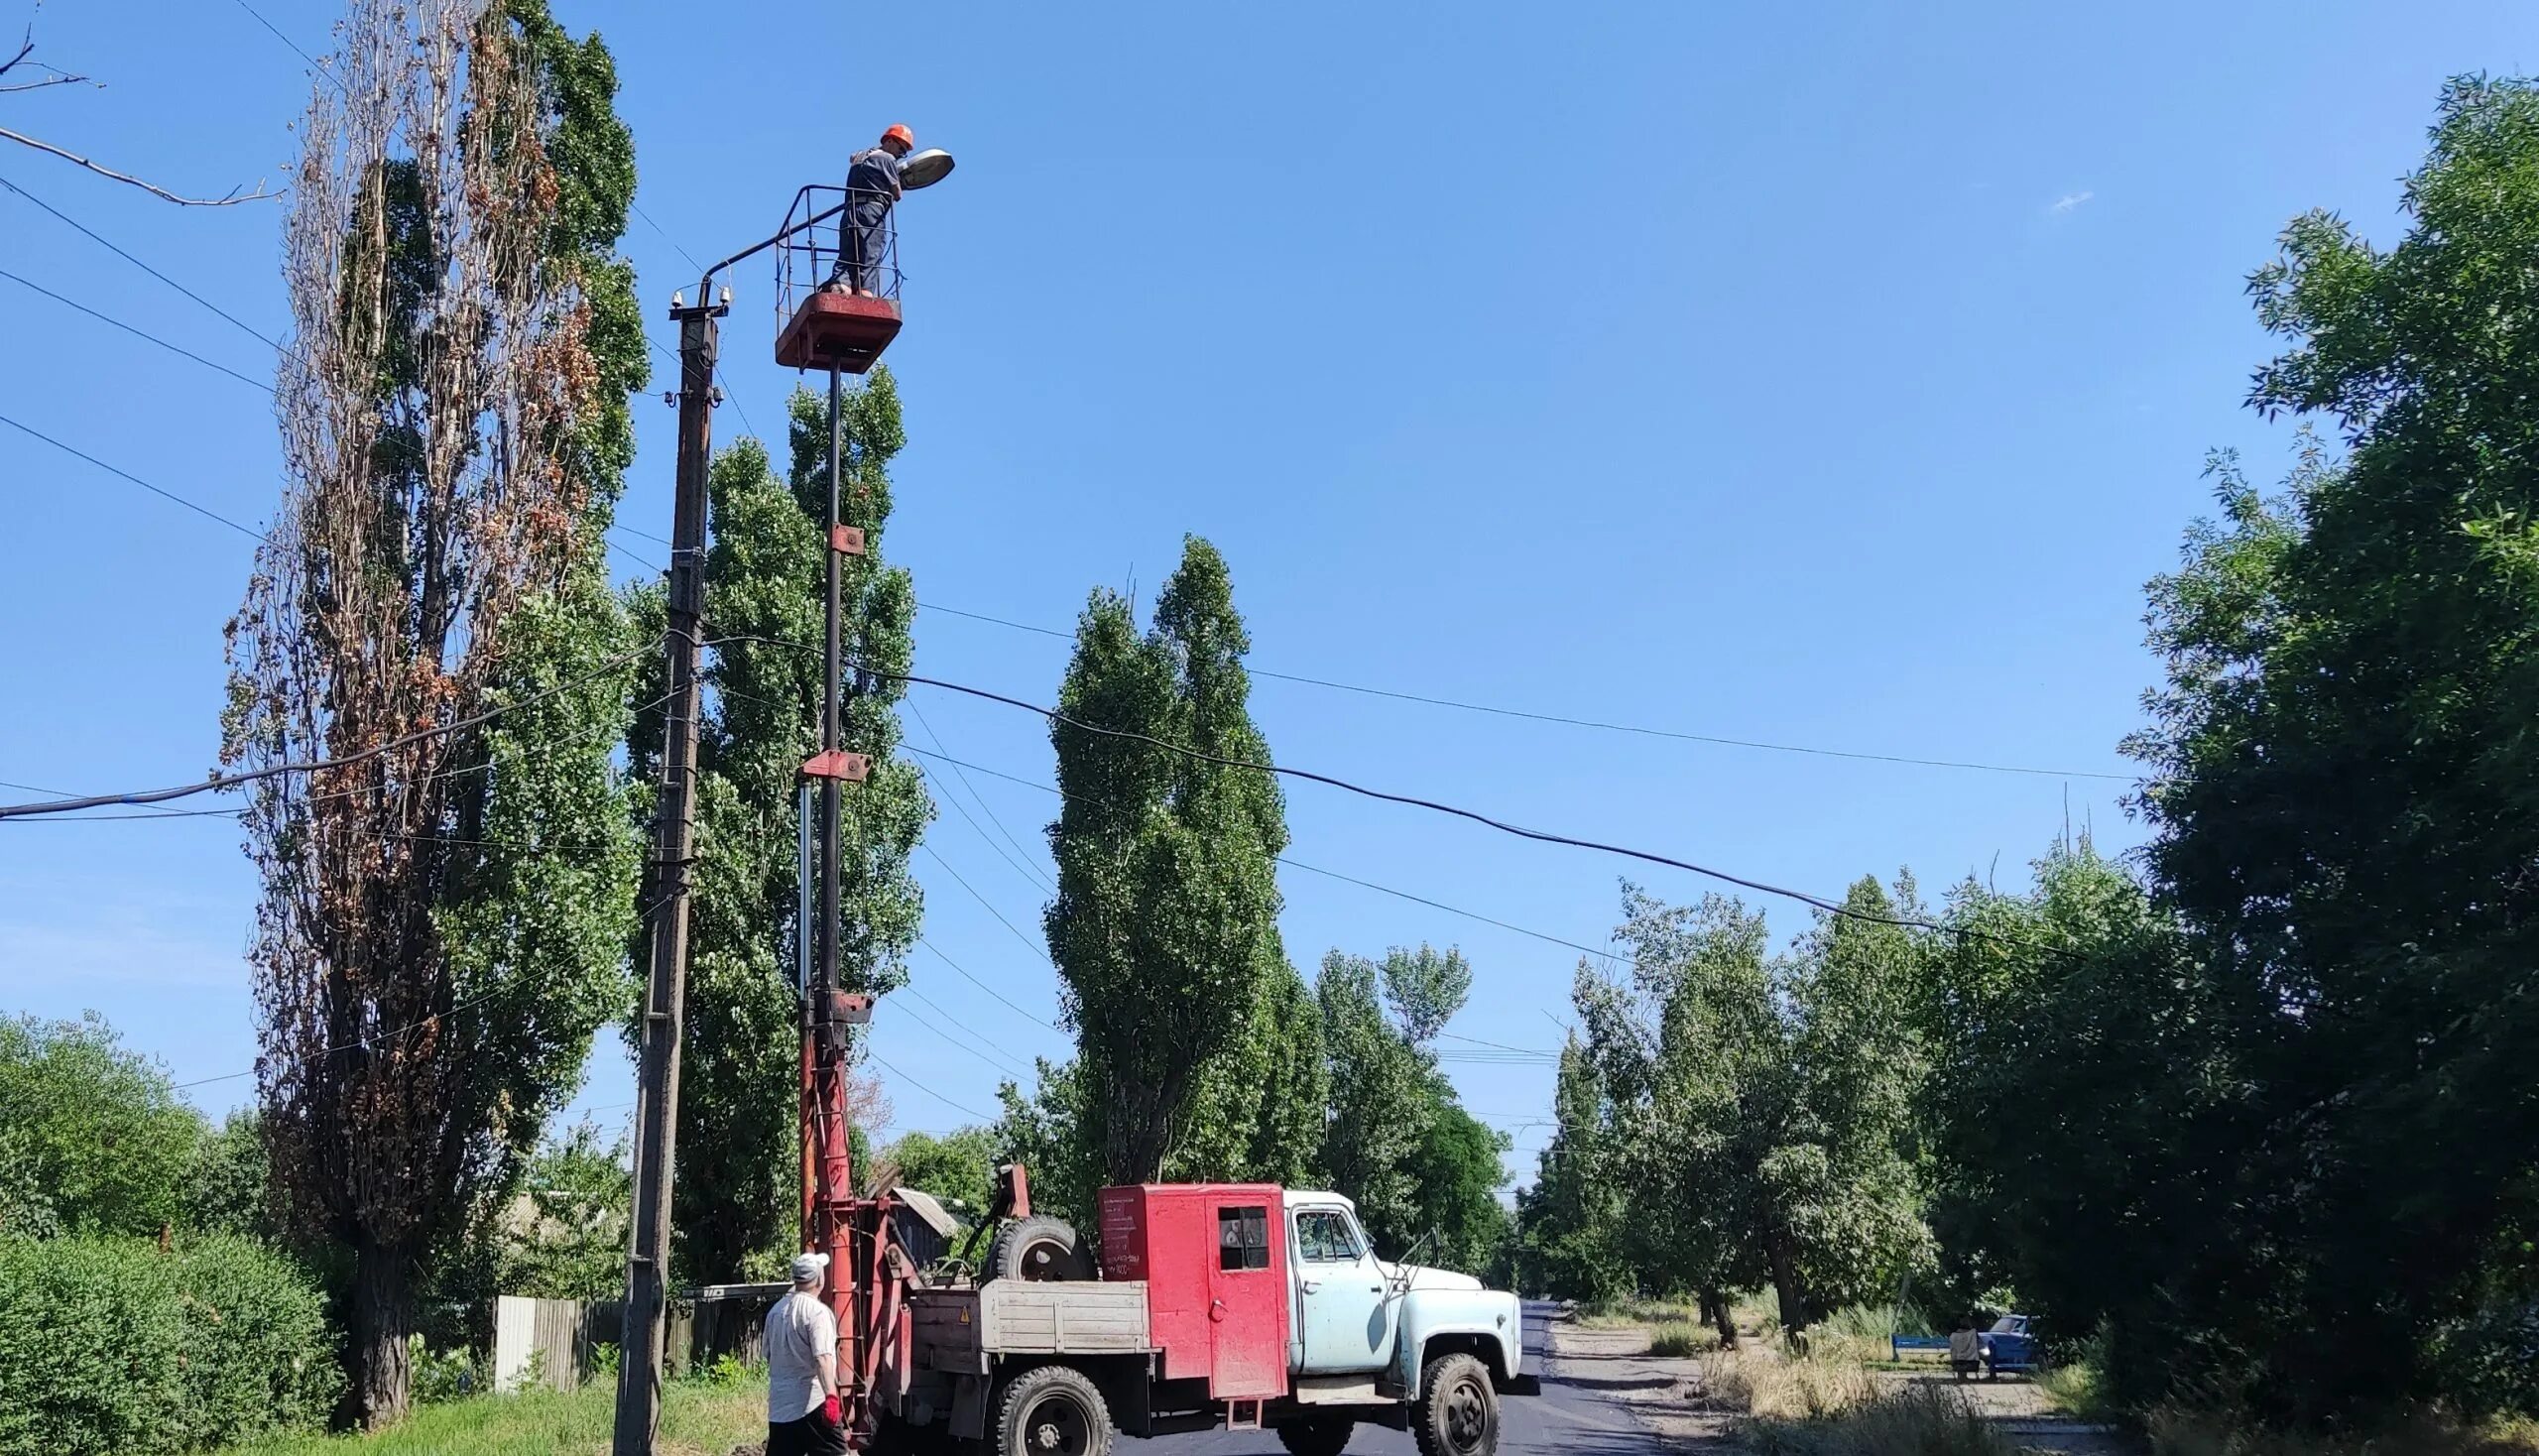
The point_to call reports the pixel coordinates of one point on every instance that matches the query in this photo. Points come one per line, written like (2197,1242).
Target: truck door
(1341,1299)
(1247,1317)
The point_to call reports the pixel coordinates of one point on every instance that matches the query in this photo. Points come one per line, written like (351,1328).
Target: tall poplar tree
(1165,928)
(739,1177)
(443,918)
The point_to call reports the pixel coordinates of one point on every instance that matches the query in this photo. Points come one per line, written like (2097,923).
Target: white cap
(808,1266)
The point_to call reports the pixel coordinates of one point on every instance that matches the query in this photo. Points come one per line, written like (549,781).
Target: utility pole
(640,1353)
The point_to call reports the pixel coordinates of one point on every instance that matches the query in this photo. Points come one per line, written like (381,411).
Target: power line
(244,327)
(975,1049)
(319,65)
(928,1091)
(1600,725)
(171,495)
(1297,864)
(1541,836)
(972,821)
(135,332)
(988,905)
(963,774)
(228,780)
(984,986)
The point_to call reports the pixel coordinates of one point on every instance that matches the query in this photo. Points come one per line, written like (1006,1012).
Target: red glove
(830,1407)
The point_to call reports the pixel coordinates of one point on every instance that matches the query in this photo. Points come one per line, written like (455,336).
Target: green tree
(766,573)
(1457,1171)
(959,1165)
(2341,771)
(1163,929)
(1568,1223)
(563,1235)
(97,1140)
(229,1188)
(454,419)
(1757,1112)
(1380,1102)
(1048,1133)
(2087,1122)
(1853,986)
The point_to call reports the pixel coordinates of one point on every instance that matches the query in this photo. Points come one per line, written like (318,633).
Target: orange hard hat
(900,134)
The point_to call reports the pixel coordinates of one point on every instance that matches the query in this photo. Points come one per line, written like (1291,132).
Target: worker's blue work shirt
(874,172)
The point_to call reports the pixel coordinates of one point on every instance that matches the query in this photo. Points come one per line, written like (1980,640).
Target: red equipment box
(1214,1257)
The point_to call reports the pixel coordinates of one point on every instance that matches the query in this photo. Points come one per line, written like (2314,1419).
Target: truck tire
(1037,1249)
(1457,1412)
(1053,1410)
(1324,1435)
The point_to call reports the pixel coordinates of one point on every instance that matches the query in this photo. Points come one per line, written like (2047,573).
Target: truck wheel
(1326,1436)
(1054,1411)
(1457,1412)
(1037,1249)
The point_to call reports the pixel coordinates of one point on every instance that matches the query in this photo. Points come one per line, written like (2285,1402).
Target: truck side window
(1242,1237)
(1322,1237)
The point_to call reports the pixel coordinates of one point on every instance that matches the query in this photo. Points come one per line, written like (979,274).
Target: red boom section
(1214,1257)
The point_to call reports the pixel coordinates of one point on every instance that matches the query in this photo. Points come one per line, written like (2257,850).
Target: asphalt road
(1570,1418)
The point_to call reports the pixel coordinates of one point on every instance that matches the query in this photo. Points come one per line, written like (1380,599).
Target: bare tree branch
(26,48)
(58,78)
(152,188)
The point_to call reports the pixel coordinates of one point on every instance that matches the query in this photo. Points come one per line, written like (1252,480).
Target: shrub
(1758,1382)
(1681,1337)
(1914,1419)
(109,1345)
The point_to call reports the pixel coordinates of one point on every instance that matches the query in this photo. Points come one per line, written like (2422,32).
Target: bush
(113,1347)
(1916,1419)
(1681,1337)
(1758,1382)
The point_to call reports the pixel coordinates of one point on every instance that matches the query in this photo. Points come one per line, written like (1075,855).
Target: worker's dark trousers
(814,1435)
(863,241)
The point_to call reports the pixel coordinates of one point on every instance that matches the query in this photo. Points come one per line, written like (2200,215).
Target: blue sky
(1829,375)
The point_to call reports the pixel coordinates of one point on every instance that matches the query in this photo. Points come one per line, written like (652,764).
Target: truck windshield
(1323,1236)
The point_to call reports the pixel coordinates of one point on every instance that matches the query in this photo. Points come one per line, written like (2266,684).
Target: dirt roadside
(1664,1394)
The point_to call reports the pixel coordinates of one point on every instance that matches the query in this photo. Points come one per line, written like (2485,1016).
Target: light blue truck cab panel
(1355,1312)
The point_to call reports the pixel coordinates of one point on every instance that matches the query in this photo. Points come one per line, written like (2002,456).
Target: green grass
(1922,1419)
(1681,1337)
(2076,1389)
(696,1421)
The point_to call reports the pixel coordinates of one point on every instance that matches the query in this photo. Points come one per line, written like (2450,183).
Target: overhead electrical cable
(310,766)
(203,511)
(240,324)
(984,986)
(141,334)
(1293,863)
(1598,724)
(1542,836)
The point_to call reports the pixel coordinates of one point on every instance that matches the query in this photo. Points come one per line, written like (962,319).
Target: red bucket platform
(838,331)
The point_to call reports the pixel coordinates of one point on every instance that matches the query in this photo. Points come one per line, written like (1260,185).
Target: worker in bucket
(802,1367)
(863,229)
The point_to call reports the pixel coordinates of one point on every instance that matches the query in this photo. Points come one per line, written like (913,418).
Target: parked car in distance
(2011,1345)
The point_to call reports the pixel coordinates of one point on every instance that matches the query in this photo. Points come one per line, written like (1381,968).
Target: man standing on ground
(802,1367)
(863,229)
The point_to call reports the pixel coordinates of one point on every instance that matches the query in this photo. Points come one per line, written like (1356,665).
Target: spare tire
(1037,1249)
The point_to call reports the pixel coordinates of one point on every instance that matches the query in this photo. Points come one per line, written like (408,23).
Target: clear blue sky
(1831,375)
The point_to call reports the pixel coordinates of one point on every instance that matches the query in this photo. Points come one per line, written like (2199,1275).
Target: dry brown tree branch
(127,179)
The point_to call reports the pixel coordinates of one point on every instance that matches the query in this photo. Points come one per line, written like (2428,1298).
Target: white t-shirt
(799,1330)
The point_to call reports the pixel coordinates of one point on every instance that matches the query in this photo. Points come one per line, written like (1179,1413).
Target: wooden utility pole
(640,1354)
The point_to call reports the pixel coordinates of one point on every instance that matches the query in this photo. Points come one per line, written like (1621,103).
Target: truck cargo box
(958,1329)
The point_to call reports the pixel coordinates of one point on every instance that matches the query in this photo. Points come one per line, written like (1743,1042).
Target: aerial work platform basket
(837,287)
